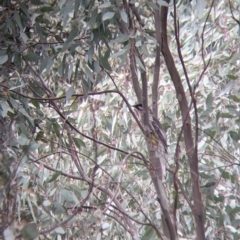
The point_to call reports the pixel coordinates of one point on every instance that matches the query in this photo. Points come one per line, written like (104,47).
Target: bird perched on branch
(157,136)
(156,130)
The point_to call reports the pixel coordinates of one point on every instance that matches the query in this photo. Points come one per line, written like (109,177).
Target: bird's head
(139,107)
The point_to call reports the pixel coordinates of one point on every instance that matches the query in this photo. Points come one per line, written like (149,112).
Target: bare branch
(157,63)
(187,127)
(133,69)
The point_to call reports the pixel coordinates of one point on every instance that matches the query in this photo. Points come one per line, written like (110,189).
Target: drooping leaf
(209,100)
(58,208)
(139,62)
(149,233)
(226,89)
(53,177)
(200,8)
(226,115)
(107,15)
(104,60)
(59,230)
(30,231)
(124,16)
(235,98)
(69,93)
(79,143)
(162,3)
(18,20)
(37,2)
(76,7)
(105,5)
(46,9)
(33,57)
(234,135)
(3,59)
(89,74)
(70,38)
(69,196)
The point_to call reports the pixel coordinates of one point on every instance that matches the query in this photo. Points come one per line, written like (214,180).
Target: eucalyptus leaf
(3,59)
(104,60)
(139,62)
(70,38)
(79,143)
(54,177)
(105,226)
(18,20)
(33,57)
(57,208)
(209,100)
(69,196)
(107,15)
(149,233)
(30,231)
(226,89)
(99,160)
(105,5)
(37,2)
(162,3)
(4,107)
(59,230)
(76,7)
(124,16)
(69,93)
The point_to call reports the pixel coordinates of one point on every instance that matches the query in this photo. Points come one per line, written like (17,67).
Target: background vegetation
(75,160)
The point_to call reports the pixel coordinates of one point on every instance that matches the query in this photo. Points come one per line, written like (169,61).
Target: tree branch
(187,127)
(157,64)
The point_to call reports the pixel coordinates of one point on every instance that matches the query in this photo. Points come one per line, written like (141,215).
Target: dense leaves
(73,158)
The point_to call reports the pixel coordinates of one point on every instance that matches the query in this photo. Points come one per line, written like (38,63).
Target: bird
(156,130)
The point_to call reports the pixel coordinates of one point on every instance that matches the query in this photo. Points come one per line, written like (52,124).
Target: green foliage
(65,146)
